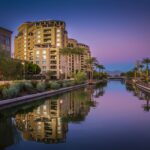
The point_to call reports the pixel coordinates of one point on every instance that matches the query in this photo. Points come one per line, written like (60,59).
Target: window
(44,51)
(44,57)
(38,41)
(58,40)
(43,62)
(58,30)
(44,67)
(38,32)
(37,62)
(37,52)
(44,107)
(58,35)
(58,44)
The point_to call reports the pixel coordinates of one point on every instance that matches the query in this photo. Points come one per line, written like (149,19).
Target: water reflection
(141,96)
(47,121)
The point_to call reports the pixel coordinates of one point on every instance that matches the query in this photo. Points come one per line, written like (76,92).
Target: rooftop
(1,28)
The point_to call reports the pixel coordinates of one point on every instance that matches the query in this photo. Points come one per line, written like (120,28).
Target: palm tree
(141,67)
(99,67)
(72,51)
(90,64)
(146,61)
(135,69)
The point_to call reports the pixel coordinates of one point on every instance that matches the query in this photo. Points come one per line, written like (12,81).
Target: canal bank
(28,98)
(143,87)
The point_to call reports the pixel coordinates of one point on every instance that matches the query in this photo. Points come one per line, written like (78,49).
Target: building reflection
(141,96)
(8,133)
(48,122)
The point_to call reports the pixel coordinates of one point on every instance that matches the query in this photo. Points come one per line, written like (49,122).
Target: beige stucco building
(40,42)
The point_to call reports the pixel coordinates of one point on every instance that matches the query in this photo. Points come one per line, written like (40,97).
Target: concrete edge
(37,96)
(144,88)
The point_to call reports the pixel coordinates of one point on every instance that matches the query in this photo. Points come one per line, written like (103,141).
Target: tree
(31,69)
(80,77)
(9,68)
(135,69)
(99,67)
(146,61)
(72,51)
(90,63)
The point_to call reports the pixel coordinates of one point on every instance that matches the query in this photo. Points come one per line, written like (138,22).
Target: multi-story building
(40,42)
(5,39)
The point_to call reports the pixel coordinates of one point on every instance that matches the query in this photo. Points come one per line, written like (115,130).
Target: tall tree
(146,61)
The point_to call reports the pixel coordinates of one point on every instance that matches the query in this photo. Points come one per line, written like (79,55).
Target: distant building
(5,39)
(40,42)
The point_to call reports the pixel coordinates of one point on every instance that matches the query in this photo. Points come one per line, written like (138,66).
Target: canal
(111,116)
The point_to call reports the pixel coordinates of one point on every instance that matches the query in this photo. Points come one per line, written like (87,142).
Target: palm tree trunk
(147,72)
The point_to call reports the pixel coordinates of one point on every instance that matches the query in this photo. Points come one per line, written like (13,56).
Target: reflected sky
(115,120)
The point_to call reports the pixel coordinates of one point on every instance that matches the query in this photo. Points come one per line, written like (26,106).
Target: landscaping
(21,88)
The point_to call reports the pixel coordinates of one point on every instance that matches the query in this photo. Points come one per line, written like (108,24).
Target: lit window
(44,107)
(58,40)
(58,30)
(38,36)
(24,45)
(44,51)
(58,44)
(39,41)
(37,57)
(38,32)
(44,57)
(37,52)
(58,35)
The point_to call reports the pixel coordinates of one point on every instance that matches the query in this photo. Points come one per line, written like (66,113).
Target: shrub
(55,85)
(34,83)
(3,86)
(60,82)
(18,85)
(47,85)
(65,84)
(41,87)
(28,86)
(10,92)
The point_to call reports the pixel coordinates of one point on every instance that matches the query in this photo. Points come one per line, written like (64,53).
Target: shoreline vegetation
(23,88)
(43,94)
(139,75)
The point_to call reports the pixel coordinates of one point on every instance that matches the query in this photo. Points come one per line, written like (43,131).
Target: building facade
(40,42)
(5,39)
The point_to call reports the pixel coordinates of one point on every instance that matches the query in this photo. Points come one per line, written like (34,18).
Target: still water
(107,117)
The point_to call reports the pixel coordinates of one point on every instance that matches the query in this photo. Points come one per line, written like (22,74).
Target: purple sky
(118,32)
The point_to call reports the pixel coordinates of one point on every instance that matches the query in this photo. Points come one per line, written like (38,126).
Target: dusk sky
(117,31)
